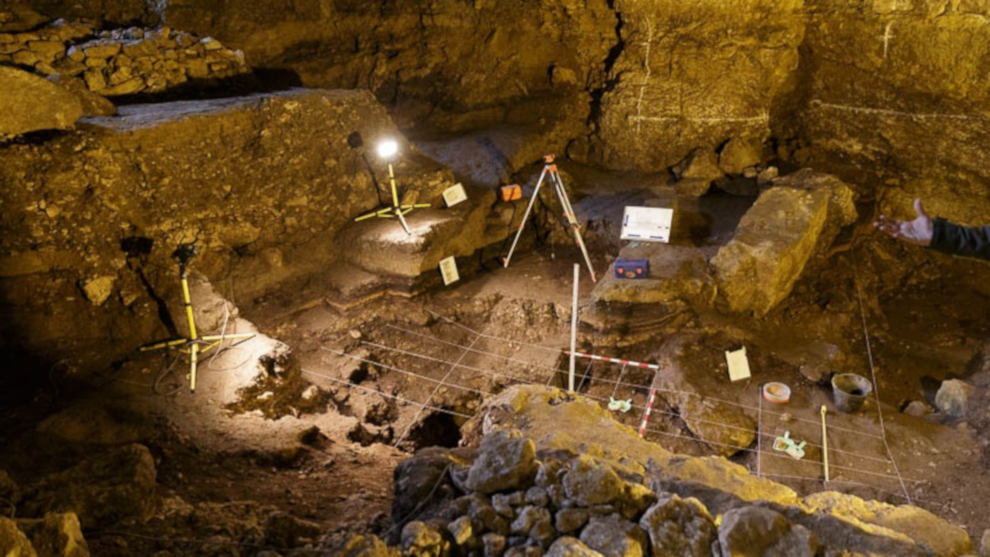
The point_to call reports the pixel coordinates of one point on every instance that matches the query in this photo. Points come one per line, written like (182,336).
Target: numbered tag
(454,194)
(448,270)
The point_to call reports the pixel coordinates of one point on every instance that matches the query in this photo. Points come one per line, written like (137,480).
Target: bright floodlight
(388,148)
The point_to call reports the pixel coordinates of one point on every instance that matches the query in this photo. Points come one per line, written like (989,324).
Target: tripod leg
(402,221)
(193,360)
(572,221)
(522,223)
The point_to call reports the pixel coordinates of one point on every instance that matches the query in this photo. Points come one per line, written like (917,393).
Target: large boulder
(777,238)
(927,530)
(757,531)
(30,103)
(102,490)
(952,397)
(506,460)
(679,526)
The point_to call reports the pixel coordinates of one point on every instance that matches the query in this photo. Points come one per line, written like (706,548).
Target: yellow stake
(824,443)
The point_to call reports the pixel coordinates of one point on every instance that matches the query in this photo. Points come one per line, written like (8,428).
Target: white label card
(738,364)
(647,224)
(454,194)
(448,270)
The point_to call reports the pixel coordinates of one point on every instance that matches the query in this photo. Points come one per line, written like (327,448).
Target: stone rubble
(697,506)
(126,61)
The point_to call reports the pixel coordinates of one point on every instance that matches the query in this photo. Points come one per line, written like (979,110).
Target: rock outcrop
(29,103)
(591,471)
(776,239)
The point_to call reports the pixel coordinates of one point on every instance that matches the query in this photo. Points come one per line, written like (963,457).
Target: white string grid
(454,378)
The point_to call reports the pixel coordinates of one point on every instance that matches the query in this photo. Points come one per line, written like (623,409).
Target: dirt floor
(396,374)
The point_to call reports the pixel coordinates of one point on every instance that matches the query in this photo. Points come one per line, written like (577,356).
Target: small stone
(537,496)
(528,518)
(267,395)
(613,535)
(568,546)
(98,289)
(354,333)
(505,460)
(494,544)
(679,526)
(500,503)
(461,530)
(570,520)
(767,175)
(917,408)
(310,393)
(985,543)
(420,539)
(589,482)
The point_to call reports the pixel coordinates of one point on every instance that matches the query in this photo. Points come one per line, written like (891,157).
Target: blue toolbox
(632,268)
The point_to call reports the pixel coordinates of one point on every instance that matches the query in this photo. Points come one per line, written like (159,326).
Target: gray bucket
(849,390)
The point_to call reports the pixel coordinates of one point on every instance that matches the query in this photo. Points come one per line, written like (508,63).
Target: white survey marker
(454,194)
(647,224)
(738,364)
(448,270)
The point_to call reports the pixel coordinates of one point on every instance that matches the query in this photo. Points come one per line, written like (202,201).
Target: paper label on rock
(454,194)
(738,364)
(448,270)
(647,224)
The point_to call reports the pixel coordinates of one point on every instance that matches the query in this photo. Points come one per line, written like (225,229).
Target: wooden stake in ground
(824,443)
(574,321)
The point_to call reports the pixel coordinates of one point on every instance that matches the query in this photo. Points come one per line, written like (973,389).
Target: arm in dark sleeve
(971,241)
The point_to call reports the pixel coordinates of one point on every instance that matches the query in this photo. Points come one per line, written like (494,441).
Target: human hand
(917,231)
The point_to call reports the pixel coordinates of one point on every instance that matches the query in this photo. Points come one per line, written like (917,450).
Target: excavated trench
(776,132)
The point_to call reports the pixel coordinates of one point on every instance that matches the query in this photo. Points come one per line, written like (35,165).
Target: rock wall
(695,74)
(125,61)
(900,89)
(261,183)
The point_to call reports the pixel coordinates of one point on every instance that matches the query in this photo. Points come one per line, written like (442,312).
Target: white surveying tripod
(550,169)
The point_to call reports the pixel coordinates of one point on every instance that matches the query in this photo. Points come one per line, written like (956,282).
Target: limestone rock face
(679,526)
(110,486)
(776,239)
(505,460)
(902,87)
(674,95)
(30,103)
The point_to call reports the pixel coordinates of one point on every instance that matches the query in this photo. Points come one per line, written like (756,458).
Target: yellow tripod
(194,344)
(395,210)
